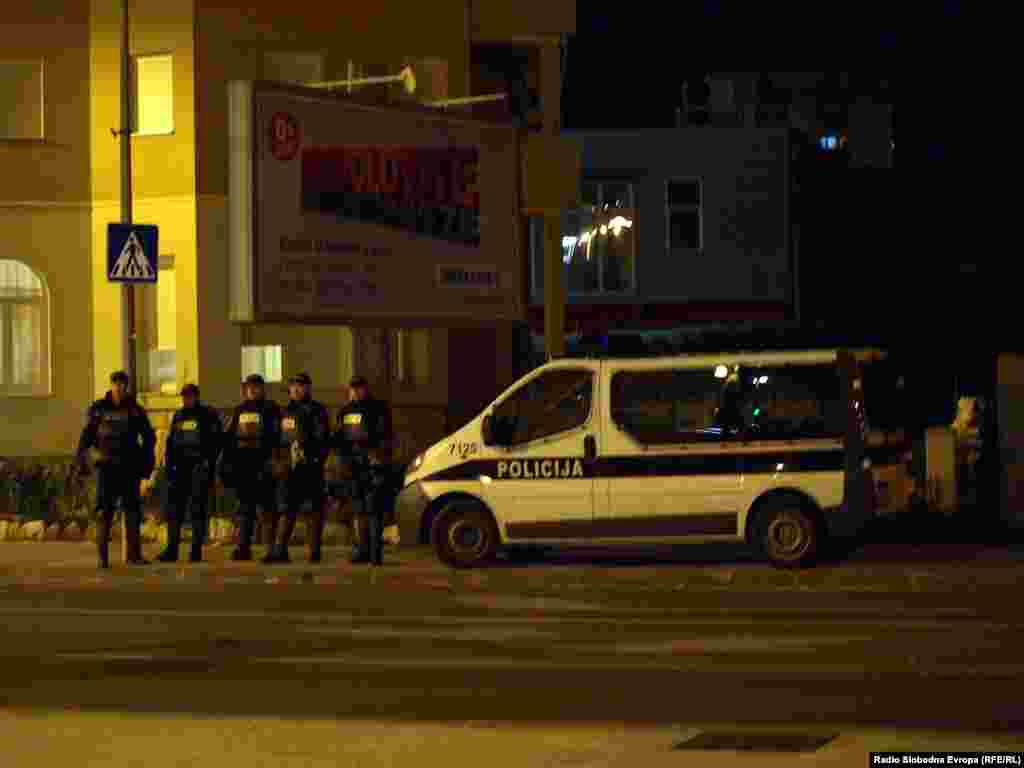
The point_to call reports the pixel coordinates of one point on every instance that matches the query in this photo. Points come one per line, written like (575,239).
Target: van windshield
(556,401)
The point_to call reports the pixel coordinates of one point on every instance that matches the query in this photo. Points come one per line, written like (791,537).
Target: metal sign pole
(127,289)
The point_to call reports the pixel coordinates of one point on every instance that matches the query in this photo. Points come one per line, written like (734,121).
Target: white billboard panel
(362,215)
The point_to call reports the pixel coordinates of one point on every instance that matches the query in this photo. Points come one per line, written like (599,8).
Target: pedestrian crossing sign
(132,255)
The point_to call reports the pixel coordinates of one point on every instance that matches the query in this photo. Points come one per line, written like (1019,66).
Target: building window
(153,99)
(163,364)
(410,356)
(264,360)
(598,242)
(24,331)
(21,99)
(684,214)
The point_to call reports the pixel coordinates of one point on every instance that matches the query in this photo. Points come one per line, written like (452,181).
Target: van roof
(700,359)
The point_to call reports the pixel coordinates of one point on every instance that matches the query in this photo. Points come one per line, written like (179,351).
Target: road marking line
(717,645)
(457,633)
(609,617)
(599,663)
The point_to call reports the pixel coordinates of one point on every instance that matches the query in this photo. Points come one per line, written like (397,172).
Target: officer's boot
(133,528)
(270,525)
(170,554)
(316,534)
(376,539)
(361,546)
(199,523)
(103,541)
(244,549)
(281,548)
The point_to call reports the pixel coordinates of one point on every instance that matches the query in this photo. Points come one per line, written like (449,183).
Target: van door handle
(589,449)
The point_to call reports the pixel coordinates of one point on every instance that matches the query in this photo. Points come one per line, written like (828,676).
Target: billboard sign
(353,214)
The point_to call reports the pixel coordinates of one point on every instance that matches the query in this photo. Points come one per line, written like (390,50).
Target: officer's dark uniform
(122,440)
(193,445)
(252,438)
(305,434)
(363,439)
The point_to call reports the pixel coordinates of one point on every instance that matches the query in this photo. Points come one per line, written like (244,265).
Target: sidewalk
(569,575)
(114,738)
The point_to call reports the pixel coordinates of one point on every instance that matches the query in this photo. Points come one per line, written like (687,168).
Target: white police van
(763,447)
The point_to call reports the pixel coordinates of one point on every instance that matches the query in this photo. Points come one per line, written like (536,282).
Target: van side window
(555,401)
(667,406)
(794,402)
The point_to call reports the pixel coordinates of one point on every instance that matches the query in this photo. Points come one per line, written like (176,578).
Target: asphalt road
(474,648)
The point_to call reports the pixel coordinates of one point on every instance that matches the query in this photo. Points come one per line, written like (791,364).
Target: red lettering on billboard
(387,173)
(396,186)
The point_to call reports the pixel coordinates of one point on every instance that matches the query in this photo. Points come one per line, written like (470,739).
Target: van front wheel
(789,535)
(464,535)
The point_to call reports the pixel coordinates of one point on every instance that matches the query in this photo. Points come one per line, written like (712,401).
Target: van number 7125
(462,450)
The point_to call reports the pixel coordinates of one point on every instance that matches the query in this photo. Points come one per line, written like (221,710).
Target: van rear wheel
(464,535)
(789,535)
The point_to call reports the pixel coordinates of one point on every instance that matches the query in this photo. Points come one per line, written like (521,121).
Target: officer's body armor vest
(250,427)
(356,429)
(291,426)
(188,434)
(113,435)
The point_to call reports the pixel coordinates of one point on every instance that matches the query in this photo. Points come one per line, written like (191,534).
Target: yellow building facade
(60,319)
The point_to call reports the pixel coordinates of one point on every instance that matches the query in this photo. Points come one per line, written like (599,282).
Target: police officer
(121,441)
(305,433)
(193,445)
(364,440)
(252,440)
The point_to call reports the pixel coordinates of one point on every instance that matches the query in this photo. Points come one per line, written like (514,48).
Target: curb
(419,576)
(221,531)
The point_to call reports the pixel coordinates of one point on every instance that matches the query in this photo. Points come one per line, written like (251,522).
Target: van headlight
(417,462)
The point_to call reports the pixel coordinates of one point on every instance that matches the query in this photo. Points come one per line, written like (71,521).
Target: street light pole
(127,289)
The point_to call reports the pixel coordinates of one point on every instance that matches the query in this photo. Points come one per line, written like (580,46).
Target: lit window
(684,214)
(598,242)
(410,356)
(153,102)
(21,99)
(828,142)
(264,360)
(24,331)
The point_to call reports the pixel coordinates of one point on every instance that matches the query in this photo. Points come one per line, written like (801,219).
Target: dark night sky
(625,70)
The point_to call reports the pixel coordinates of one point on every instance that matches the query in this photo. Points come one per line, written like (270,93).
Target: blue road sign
(132,253)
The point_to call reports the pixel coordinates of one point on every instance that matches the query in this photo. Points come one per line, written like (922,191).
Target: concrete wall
(324,352)
(45,219)
(744,178)
(501,20)
(54,241)
(220,340)
(56,169)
